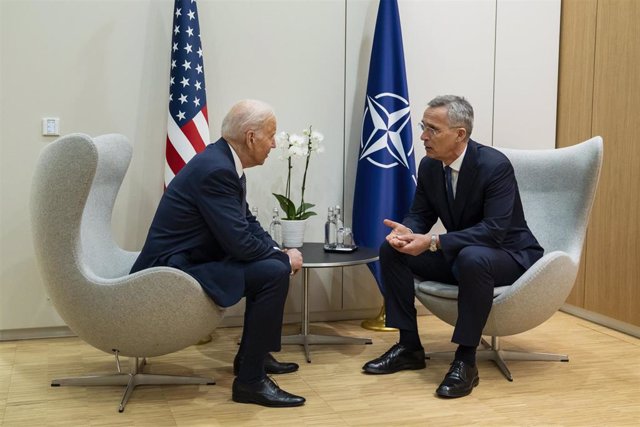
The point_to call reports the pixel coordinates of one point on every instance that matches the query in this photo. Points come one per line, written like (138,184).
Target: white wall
(102,66)
(526,73)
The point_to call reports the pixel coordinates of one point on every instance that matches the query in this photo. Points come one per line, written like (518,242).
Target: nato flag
(385,179)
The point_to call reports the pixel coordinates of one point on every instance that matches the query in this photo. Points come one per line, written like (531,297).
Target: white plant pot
(293,232)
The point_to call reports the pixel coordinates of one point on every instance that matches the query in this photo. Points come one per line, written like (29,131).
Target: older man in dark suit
(473,190)
(204,227)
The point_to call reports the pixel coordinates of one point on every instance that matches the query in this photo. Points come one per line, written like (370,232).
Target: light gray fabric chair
(557,189)
(150,313)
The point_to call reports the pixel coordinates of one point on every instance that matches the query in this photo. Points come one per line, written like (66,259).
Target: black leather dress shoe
(271,365)
(266,393)
(398,358)
(459,381)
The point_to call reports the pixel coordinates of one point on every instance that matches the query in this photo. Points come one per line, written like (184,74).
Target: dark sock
(410,339)
(467,354)
(251,369)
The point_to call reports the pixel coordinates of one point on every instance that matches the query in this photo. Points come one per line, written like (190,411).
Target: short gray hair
(459,111)
(245,115)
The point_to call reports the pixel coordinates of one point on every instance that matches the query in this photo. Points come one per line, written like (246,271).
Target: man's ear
(461,134)
(250,137)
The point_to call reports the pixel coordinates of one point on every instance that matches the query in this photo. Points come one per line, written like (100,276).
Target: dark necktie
(449,186)
(243,183)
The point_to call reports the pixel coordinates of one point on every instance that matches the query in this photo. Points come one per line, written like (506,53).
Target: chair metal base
(131,380)
(499,356)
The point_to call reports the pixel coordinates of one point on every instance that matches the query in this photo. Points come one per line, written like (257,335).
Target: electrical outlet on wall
(50,126)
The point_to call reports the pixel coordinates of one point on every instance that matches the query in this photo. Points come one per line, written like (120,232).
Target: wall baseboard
(603,320)
(230,321)
(36,333)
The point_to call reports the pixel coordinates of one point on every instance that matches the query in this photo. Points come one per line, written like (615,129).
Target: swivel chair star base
(497,355)
(135,377)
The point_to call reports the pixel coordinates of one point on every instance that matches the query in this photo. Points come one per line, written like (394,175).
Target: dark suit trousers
(266,287)
(476,271)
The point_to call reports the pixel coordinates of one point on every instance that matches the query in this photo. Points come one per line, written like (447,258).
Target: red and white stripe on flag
(188,123)
(184,143)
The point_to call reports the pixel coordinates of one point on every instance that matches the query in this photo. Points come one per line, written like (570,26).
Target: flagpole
(385,178)
(188,120)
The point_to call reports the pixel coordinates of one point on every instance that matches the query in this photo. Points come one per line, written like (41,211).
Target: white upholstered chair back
(557,189)
(100,254)
(152,312)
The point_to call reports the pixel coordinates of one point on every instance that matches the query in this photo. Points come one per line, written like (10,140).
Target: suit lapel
(466,178)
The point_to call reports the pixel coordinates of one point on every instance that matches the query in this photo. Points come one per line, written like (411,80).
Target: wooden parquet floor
(599,386)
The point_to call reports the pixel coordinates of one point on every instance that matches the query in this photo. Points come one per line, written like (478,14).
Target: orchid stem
(288,188)
(306,167)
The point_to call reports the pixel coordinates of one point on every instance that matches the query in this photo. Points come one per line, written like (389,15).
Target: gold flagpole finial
(378,323)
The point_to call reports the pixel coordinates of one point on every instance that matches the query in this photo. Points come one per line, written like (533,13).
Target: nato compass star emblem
(385,117)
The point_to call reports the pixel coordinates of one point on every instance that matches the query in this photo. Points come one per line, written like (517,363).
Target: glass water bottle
(275,228)
(330,230)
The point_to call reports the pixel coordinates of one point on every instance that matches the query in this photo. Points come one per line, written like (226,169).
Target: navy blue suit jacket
(203,227)
(487,210)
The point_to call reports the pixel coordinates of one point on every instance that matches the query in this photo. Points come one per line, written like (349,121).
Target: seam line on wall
(495,54)
(591,132)
(593,72)
(344,139)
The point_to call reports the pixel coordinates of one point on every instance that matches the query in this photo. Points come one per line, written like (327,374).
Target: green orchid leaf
(303,207)
(307,215)
(287,206)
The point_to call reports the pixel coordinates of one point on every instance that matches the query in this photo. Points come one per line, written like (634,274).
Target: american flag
(188,123)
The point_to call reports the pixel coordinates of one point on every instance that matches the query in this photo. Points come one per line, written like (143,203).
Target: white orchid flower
(282,139)
(317,137)
(295,150)
(297,141)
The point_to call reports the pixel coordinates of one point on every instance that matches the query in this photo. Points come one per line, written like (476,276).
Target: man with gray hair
(472,189)
(203,226)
